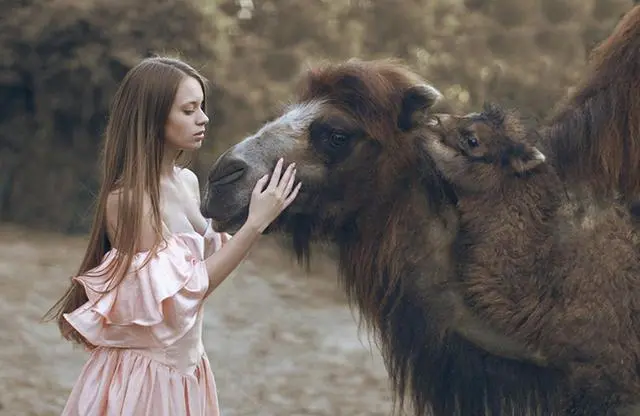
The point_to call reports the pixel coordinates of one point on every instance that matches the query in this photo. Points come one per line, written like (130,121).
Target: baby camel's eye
(469,139)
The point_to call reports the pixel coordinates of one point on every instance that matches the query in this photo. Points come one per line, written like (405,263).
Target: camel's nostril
(228,173)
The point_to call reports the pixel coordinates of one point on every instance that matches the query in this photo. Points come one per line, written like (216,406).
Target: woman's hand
(267,203)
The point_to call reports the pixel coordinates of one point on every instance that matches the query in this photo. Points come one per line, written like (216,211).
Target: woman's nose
(204,119)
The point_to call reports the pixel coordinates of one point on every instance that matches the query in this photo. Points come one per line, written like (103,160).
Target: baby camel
(527,268)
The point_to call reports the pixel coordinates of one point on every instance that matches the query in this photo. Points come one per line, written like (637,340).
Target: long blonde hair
(133,151)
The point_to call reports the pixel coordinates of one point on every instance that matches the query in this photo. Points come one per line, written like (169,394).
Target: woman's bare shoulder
(190,181)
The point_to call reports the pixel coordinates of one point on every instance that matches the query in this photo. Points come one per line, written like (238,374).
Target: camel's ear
(527,160)
(417,98)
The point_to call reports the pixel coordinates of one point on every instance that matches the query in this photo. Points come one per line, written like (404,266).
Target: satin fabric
(149,357)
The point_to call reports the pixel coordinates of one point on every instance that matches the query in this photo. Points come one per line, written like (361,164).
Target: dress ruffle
(154,305)
(149,358)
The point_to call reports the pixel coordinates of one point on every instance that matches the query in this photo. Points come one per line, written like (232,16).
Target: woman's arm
(224,261)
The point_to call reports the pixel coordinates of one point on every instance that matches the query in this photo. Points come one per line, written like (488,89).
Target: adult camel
(357,133)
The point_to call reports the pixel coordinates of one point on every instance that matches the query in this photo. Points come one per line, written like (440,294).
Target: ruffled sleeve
(156,303)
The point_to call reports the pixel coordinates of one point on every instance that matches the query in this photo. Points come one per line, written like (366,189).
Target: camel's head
(476,152)
(352,132)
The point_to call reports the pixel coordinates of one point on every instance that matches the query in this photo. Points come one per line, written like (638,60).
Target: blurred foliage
(61,61)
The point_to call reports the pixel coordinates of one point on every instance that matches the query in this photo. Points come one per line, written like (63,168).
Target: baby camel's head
(480,151)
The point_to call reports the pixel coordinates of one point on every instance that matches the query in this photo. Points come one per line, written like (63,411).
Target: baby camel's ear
(527,159)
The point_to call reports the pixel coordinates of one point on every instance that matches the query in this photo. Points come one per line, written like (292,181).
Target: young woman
(152,258)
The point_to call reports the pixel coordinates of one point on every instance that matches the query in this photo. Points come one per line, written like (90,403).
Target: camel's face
(344,135)
(312,134)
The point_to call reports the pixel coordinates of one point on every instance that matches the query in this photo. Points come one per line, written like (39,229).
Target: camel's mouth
(230,224)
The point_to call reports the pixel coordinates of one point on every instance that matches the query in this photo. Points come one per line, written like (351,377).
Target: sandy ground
(281,342)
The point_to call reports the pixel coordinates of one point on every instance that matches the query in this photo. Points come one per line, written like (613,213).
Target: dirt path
(280,342)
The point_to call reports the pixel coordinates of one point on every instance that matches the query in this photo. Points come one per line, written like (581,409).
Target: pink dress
(149,360)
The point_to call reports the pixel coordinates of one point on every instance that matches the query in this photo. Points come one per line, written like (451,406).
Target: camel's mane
(593,139)
(373,254)
(595,134)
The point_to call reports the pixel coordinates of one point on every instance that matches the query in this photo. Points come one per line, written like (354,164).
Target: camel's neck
(513,224)
(392,245)
(395,263)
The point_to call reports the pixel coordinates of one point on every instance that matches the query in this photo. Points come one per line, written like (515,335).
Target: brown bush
(564,42)
(513,13)
(61,63)
(609,9)
(559,11)
(60,68)
(496,49)
(509,43)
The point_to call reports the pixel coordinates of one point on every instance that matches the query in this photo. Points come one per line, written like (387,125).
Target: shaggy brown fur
(594,137)
(371,189)
(570,291)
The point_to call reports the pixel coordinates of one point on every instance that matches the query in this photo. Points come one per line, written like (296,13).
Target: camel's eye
(337,139)
(331,139)
(468,139)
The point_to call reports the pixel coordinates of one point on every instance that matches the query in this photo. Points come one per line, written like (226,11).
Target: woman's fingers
(289,184)
(275,176)
(259,187)
(284,181)
(292,195)
(280,187)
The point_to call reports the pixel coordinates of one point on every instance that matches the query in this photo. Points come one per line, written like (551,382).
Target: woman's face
(185,127)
